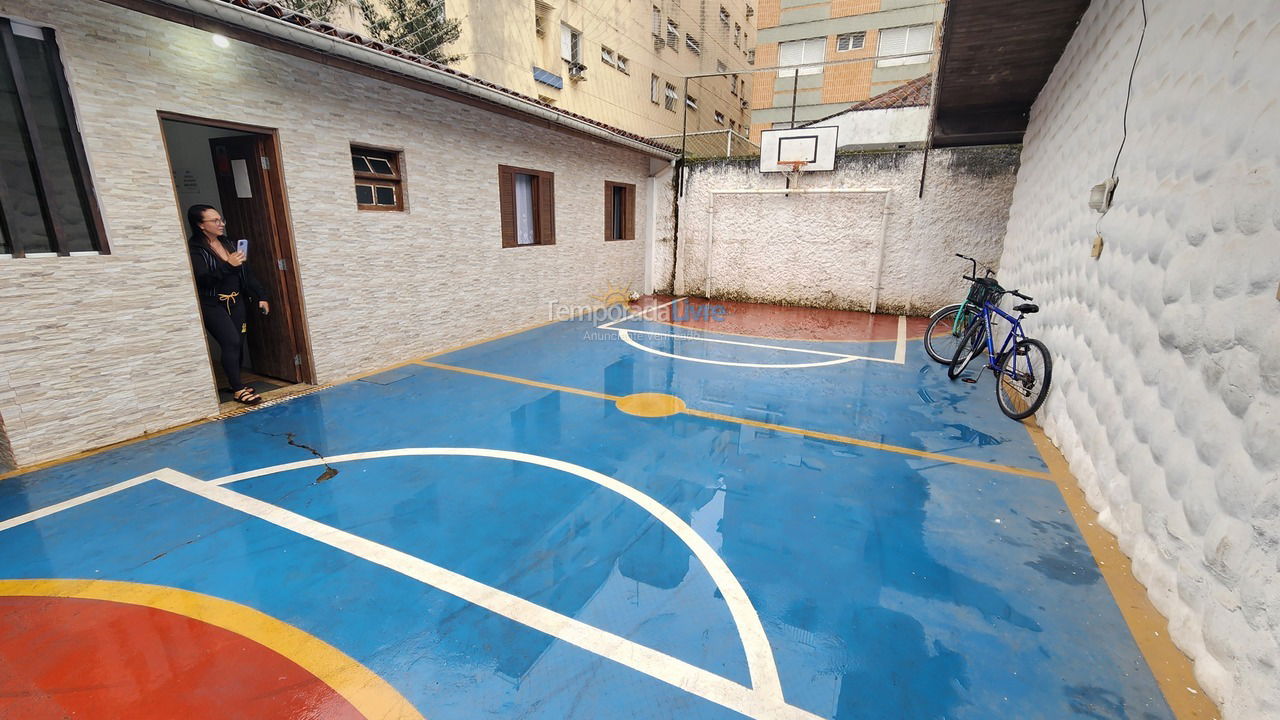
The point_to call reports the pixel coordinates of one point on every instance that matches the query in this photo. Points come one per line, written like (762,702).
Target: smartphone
(242,246)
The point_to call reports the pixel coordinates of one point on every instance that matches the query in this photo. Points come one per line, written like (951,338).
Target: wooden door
(250,192)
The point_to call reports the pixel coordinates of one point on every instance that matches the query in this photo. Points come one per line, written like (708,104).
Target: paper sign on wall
(240,169)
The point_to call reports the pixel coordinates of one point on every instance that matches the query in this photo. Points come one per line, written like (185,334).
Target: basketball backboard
(815,146)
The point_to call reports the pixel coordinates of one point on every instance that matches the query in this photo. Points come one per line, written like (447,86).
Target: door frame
(278,202)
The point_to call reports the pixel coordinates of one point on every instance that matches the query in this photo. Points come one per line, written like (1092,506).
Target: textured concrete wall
(99,349)
(821,249)
(1166,396)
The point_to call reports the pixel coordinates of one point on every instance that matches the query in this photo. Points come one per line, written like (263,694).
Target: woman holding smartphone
(224,285)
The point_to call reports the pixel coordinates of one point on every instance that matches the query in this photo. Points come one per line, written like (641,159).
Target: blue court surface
(826,530)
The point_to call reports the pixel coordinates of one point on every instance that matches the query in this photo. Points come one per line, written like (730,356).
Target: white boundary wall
(829,243)
(1166,397)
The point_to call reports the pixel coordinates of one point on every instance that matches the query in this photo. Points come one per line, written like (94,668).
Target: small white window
(737,35)
(606,56)
(622,64)
(905,41)
(671,97)
(751,57)
(691,101)
(524,209)
(724,17)
(851,41)
(570,44)
(719,118)
(692,44)
(673,35)
(657,21)
(750,12)
(653,89)
(798,53)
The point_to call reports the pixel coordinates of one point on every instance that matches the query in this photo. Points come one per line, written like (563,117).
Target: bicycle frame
(1011,340)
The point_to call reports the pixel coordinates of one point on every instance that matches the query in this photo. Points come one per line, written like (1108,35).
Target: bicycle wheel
(971,345)
(942,335)
(1022,379)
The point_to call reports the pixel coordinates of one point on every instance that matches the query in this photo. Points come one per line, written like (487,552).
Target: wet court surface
(532,528)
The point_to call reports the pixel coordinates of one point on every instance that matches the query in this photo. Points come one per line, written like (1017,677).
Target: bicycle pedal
(969,380)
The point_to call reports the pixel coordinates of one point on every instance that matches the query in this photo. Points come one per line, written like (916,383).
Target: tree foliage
(318,9)
(419,26)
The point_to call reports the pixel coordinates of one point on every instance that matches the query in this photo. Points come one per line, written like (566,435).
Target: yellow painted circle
(651,404)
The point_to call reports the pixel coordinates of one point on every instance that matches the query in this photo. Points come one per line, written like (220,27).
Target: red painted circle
(76,658)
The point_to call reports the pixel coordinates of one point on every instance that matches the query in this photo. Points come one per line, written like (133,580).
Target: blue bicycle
(1023,368)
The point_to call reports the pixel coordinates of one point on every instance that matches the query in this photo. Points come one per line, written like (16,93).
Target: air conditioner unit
(577,71)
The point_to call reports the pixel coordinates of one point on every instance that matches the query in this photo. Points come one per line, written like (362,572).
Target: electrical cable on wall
(1124,133)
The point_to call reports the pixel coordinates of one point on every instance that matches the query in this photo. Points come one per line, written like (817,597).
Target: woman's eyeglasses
(219,221)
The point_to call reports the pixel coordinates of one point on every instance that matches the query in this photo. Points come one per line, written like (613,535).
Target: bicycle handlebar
(1015,293)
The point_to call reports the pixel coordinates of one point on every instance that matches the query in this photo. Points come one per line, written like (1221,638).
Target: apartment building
(812,42)
(621,62)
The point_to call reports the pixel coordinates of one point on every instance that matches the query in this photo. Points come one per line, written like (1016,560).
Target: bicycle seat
(1027,308)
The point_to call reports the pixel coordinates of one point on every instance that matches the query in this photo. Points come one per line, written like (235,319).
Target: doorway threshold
(275,396)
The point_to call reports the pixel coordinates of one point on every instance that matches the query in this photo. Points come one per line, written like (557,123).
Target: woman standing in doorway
(224,286)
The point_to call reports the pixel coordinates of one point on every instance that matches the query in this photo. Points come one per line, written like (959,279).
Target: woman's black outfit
(225,293)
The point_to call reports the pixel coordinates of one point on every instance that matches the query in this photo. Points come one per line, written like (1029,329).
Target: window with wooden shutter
(619,211)
(47,201)
(527,206)
(379,181)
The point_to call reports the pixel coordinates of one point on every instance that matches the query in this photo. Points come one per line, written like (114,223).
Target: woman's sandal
(247,396)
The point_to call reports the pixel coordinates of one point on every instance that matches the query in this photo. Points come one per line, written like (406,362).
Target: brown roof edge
(184,14)
(910,94)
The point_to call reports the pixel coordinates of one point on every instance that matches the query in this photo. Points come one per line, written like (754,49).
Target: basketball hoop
(793,174)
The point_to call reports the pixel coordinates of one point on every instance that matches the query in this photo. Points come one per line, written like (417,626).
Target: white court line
(755,644)
(753,702)
(631,316)
(900,352)
(73,502)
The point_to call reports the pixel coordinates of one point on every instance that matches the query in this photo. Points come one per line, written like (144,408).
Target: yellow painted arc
(364,689)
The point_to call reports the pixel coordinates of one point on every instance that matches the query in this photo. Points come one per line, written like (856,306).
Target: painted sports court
(661,513)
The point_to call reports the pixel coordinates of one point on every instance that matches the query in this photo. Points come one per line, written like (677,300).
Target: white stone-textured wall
(99,349)
(1166,395)
(821,249)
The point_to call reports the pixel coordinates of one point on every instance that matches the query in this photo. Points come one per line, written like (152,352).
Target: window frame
(628,211)
(395,181)
(673,35)
(861,37)
(670,97)
(802,67)
(622,64)
(692,44)
(544,206)
(916,57)
(38,152)
(575,43)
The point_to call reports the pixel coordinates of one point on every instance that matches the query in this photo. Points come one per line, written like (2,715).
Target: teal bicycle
(947,324)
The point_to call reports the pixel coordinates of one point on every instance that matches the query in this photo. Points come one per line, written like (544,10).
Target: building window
(691,102)
(692,44)
(671,97)
(750,12)
(733,84)
(851,41)
(657,22)
(798,53)
(619,211)
(737,35)
(47,203)
(724,18)
(622,64)
(751,57)
(719,118)
(673,36)
(653,89)
(733,126)
(606,56)
(379,183)
(742,90)
(570,44)
(905,41)
(527,203)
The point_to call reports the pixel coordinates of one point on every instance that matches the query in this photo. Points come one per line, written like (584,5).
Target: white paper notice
(240,169)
